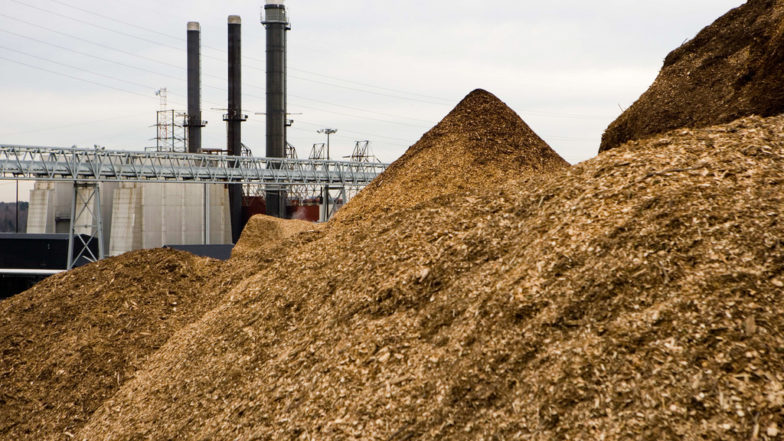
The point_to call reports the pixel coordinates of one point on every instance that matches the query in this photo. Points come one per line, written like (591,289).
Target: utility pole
(328,132)
(325,192)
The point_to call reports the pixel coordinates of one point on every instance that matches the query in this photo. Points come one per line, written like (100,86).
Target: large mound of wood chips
(263,233)
(480,143)
(637,295)
(68,344)
(732,69)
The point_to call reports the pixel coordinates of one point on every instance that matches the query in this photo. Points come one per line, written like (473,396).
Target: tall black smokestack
(234,119)
(276,22)
(194,88)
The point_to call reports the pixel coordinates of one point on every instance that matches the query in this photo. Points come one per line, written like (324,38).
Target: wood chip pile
(482,142)
(67,344)
(732,69)
(262,233)
(637,295)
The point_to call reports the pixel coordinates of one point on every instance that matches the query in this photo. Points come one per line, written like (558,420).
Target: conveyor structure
(99,165)
(87,168)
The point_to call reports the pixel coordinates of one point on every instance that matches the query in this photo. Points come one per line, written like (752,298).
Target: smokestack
(234,119)
(194,88)
(276,22)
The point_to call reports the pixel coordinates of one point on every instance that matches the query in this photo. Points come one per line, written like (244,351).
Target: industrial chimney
(194,122)
(276,22)
(234,119)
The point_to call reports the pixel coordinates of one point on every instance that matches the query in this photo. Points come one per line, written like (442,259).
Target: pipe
(29,272)
(194,88)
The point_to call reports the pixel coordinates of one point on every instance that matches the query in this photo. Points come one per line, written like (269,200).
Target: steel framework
(331,203)
(170,134)
(86,224)
(86,168)
(362,153)
(99,165)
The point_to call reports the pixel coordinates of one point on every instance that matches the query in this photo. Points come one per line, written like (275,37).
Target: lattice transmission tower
(362,153)
(170,126)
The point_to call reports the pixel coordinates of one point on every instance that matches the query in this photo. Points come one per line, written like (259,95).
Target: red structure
(306,209)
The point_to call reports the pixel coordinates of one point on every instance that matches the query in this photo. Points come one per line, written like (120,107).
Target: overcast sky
(84,72)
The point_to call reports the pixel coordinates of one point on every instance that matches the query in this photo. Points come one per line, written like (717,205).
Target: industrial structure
(170,126)
(234,119)
(194,121)
(120,191)
(104,203)
(276,23)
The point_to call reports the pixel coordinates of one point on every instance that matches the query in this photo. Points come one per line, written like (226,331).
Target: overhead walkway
(87,168)
(99,165)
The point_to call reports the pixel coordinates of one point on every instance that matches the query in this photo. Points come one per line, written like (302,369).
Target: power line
(361,134)
(124,52)
(153,60)
(445,100)
(419,126)
(180,78)
(146,86)
(89,23)
(113,78)
(119,63)
(106,28)
(74,77)
(75,67)
(343,113)
(67,126)
(148,96)
(533,112)
(422,97)
(320,125)
(86,54)
(299,121)
(250,95)
(359,109)
(106,17)
(366,91)
(158,73)
(84,40)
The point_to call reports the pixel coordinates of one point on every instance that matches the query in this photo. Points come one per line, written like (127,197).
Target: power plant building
(138,215)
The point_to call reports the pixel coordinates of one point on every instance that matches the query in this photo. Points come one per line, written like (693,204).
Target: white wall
(138,216)
(40,215)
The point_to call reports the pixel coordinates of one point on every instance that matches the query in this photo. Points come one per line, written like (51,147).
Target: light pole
(328,132)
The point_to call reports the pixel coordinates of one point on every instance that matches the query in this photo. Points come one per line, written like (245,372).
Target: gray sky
(84,72)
